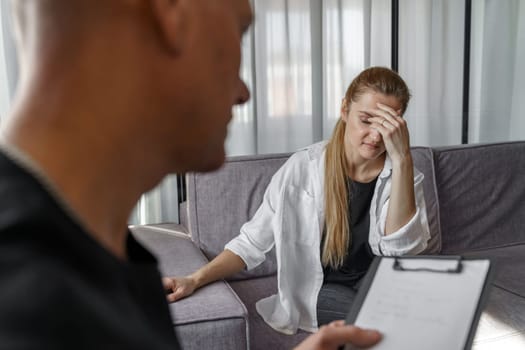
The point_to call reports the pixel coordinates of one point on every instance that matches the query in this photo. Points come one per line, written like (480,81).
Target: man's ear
(171,17)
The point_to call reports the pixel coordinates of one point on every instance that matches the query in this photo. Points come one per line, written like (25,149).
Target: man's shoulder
(51,299)
(23,198)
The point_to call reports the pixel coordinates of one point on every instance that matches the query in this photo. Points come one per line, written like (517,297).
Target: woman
(329,209)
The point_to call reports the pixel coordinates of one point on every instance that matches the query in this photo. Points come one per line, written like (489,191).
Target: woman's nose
(375,135)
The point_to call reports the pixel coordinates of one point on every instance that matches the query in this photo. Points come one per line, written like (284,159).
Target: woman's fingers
(383,124)
(167,282)
(387,109)
(176,295)
(388,114)
(177,288)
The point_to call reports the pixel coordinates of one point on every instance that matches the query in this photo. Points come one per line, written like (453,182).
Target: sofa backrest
(481,195)
(424,161)
(220,202)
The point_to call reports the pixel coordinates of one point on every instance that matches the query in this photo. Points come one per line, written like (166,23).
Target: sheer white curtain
(4,88)
(160,205)
(301,55)
(356,34)
(431,37)
(8,63)
(279,61)
(299,58)
(431,47)
(497,102)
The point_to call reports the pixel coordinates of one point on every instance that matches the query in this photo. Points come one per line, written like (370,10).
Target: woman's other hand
(393,130)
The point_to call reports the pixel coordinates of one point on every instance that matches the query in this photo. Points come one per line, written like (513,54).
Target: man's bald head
(44,25)
(118,63)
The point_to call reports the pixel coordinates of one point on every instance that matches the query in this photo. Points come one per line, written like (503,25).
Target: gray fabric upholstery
(250,291)
(214,313)
(502,324)
(219,203)
(183,215)
(503,321)
(170,228)
(509,264)
(424,161)
(216,334)
(481,195)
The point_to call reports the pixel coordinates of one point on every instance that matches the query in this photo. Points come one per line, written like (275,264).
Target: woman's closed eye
(364,119)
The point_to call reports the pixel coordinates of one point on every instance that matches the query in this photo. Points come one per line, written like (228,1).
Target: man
(113,95)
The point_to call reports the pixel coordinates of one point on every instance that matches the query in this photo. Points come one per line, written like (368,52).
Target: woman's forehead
(370,99)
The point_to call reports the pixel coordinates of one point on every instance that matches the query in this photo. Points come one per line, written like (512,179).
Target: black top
(359,256)
(59,289)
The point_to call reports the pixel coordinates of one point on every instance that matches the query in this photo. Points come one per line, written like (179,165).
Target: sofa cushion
(251,291)
(502,324)
(424,161)
(481,192)
(509,267)
(213,316)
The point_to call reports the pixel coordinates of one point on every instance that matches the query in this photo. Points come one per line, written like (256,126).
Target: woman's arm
(393,129)
(225,264)
(402,206)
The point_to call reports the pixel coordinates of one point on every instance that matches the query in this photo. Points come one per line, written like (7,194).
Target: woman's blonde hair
(337,235)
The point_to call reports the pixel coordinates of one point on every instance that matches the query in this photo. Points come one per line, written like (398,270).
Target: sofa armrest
(214,316)
(169,228)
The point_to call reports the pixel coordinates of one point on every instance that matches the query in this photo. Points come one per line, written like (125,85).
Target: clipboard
(423,302)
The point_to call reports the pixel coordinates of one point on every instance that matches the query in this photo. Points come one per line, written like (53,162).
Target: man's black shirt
(59,289)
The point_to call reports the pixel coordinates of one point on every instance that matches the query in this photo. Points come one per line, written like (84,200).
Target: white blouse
(291,218)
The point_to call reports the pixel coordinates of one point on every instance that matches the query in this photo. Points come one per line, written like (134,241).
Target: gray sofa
(476,207)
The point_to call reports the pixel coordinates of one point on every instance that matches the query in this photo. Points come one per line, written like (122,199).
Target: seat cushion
(502,324)
(250,291)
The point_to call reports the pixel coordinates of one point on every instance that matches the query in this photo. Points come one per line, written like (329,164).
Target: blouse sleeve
(413,237)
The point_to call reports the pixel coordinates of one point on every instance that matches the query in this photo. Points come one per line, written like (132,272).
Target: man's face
(211,84)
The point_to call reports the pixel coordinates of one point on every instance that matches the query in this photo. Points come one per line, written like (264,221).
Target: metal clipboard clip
(398,265)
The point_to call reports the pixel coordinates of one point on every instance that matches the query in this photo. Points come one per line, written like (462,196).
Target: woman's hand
(394,131)
(335,334)
(223,265)
(178,287)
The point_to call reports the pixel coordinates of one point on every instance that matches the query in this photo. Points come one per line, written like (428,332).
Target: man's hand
(335,334)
